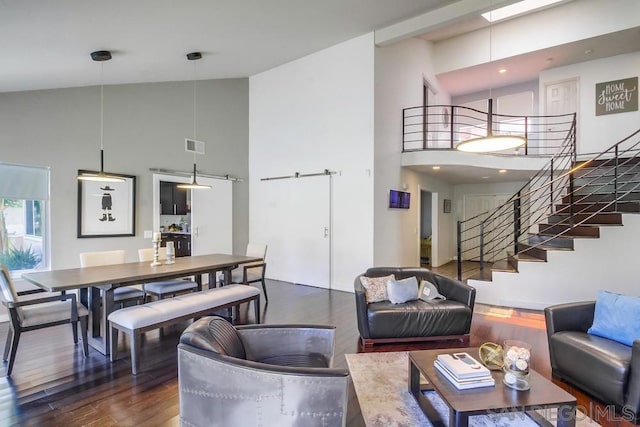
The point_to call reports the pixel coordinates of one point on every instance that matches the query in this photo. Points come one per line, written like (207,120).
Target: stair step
(504,266)
(525,250)
(553,243)
(567,230)
(604,197)
(627,161)
(483,275)
(523,257)
(629,207)
(608,218)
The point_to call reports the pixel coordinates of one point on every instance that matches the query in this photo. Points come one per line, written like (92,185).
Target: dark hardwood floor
(52,384)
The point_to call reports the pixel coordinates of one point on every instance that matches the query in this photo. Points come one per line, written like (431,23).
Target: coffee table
(486,400)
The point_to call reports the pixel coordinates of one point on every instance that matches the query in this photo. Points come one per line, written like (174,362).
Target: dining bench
(136,320)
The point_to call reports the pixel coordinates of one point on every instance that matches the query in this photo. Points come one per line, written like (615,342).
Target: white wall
(312,114)
(570,276)
(567,23)
(401,69)
(144,127)
(597,133)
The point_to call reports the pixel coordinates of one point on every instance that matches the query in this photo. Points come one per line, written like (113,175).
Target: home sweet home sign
(617,96)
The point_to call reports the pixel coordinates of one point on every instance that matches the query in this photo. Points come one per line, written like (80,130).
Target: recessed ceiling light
(515,9)
(502,70)
(588,51)
(435,168)
(485,177)
(502,171)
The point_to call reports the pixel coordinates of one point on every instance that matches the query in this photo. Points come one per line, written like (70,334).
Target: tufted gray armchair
(260,375)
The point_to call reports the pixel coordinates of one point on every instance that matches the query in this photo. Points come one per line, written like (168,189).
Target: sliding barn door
(211,218)
(295,224)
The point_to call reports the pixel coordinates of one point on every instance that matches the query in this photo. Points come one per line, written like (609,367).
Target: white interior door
(560,98)
(212,218)
(296,228)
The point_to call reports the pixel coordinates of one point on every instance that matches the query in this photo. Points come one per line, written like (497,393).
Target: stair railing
(437,127)
(576,192)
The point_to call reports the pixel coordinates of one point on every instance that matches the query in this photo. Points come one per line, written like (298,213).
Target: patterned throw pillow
(375,288)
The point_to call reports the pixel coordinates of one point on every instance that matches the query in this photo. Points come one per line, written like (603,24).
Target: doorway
(426,224)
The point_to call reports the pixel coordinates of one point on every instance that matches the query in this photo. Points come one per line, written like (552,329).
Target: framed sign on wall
(617,96)
(107,209)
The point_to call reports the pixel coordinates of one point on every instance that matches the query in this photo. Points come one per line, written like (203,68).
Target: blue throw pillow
(616,317)
(399,291)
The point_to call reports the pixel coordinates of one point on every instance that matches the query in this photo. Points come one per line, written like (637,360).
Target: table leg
(212,280)
(100,306)
(566,416)
(227,275)
(94,309)
(416,391)
(199,282)
(458,419)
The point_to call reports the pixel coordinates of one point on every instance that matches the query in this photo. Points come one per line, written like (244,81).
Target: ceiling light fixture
(100,56)
(193,185)
(502,171)
(490,142)
(502,70)
(516,9)
(436,168)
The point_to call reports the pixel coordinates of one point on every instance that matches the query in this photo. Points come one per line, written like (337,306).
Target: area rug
(381,384)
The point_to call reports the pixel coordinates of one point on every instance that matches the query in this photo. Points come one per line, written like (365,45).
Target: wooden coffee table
(486,400)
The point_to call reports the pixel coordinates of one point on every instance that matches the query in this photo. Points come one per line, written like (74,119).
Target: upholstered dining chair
(38,313)
(164,288)
(252,272)
(122,294)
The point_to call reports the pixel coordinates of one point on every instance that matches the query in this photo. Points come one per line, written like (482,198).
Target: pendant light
(491,142)
(100,56)
(193,185)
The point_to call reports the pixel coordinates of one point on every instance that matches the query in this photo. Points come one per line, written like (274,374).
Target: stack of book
(463,371)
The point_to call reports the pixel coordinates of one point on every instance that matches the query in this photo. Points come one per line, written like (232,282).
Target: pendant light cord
(101,105)
(195,110)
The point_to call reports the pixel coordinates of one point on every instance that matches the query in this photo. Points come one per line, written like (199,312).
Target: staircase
(550,220)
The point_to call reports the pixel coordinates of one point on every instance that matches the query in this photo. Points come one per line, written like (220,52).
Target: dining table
(96,284)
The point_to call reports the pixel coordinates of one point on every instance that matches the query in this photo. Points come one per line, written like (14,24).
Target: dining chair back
(122,294)
(38,313)
(252,272)
(164,288)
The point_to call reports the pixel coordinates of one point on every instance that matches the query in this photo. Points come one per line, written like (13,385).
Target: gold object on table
(491,355)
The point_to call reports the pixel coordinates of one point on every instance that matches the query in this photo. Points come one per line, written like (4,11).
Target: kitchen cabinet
(181,243)
(173,200)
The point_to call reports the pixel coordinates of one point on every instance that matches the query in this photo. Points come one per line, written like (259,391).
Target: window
(24,193)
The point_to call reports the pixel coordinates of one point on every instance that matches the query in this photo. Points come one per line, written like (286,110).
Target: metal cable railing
(563,199)
(437,127)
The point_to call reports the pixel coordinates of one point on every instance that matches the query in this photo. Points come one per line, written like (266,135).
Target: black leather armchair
(605,369)
(271,375)
(384,322)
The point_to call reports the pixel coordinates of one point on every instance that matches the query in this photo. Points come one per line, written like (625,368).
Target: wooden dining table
(96,284)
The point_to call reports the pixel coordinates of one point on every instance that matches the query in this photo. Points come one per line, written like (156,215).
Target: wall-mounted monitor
(399,199)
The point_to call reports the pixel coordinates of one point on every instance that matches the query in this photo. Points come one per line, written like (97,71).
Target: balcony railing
(434,127)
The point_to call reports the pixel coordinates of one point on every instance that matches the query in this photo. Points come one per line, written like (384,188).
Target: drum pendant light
(100,56)
(193,185)
(491,142)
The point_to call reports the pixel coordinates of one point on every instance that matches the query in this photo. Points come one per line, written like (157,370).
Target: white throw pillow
(428,291)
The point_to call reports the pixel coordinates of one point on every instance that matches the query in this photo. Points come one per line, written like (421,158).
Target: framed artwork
(447,205)
(106,209)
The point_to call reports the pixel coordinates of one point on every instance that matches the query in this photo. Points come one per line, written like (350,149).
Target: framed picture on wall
(447,205)
(107,209)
